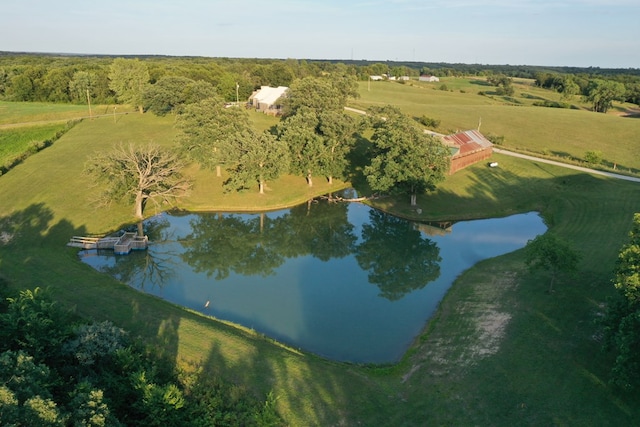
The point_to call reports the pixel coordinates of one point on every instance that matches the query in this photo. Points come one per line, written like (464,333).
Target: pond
(341,280)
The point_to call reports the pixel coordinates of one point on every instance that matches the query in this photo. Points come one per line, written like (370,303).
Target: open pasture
(559,132)
(501,351)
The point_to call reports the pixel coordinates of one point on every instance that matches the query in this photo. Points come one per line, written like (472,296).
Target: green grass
(543,368)
(12,113)
(560,132)
(15,142)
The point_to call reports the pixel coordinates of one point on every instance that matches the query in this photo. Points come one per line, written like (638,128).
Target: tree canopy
(171,93)
(550,253)
(129,78)
(58,370)
(602,93)
(211,134)
(261,158)
(622,319)
(319,94)
(139,174)
(404,159)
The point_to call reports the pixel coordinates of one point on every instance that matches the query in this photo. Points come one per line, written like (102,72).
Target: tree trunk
(261,186)
(309,180)
(139,203)
(218,171)
(140,229)
(330,180)
(141,109)
(414,198)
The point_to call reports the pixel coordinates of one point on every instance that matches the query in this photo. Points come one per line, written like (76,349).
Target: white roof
(269,95)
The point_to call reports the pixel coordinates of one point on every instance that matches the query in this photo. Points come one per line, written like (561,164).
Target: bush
(496,139)
(428,122)
(551,104)
(593,157)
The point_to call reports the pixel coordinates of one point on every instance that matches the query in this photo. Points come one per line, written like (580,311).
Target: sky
(580,33)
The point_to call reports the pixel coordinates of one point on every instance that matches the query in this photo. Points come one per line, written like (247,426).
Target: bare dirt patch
(479,319)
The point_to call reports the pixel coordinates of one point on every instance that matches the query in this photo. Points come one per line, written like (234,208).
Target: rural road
(565,165)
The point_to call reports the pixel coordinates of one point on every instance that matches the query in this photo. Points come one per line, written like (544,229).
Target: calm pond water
(340,280)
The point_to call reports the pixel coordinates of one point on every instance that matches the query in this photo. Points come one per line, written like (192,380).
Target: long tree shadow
(33,254)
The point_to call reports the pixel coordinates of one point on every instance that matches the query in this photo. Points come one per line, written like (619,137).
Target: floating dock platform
(121,245)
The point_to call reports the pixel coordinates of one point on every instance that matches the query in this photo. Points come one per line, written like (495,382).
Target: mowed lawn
(500,351)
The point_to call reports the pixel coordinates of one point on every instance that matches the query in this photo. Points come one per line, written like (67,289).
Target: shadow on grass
(308,390)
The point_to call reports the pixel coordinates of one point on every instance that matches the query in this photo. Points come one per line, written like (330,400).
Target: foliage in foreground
(622,321)
(58,371)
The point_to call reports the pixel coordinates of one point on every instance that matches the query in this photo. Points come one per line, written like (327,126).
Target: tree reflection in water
(398,258)
(224,243)
(147,269)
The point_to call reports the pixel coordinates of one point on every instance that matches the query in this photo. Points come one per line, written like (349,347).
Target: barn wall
(462,162)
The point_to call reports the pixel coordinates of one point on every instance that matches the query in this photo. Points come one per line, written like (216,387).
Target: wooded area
(56,78)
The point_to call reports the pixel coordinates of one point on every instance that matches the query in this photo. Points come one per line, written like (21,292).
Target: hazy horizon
(561,33)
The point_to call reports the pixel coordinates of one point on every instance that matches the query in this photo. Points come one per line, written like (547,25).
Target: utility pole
(237,86)
(89,102)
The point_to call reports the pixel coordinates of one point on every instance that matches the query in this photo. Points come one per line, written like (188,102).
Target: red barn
(467,148)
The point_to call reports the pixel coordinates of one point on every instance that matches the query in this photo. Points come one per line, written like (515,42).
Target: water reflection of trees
(398,258)
(145,269)
(219,244)
(318,228)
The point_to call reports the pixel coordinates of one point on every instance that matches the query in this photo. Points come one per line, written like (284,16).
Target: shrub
(495,139)
(593,157)
(428,121)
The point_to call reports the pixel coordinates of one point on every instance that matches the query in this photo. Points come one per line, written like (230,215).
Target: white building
(426,78)
(266,99)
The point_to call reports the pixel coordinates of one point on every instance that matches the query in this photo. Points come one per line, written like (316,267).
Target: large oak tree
(211,133)
(404,159)
(139,174)
(129,78)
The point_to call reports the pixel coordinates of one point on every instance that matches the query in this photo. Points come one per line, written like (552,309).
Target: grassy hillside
(500,351)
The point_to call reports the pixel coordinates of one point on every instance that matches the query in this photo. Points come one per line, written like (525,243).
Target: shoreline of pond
(282,340)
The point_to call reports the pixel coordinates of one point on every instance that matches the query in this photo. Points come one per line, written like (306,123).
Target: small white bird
(206,304)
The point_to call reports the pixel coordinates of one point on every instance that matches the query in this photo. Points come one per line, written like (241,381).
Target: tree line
(55,78)
(315,138)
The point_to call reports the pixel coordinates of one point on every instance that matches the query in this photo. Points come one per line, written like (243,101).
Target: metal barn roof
(468,142)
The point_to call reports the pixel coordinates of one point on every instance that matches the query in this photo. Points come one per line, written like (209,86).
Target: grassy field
(19,113)
(500,351)
(560,132)
(15,142)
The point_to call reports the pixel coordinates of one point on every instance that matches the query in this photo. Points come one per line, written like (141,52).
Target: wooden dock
(121,245)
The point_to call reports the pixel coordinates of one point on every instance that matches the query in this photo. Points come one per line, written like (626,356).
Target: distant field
(555,131)
(12,113)
(15,142)
(500,351)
